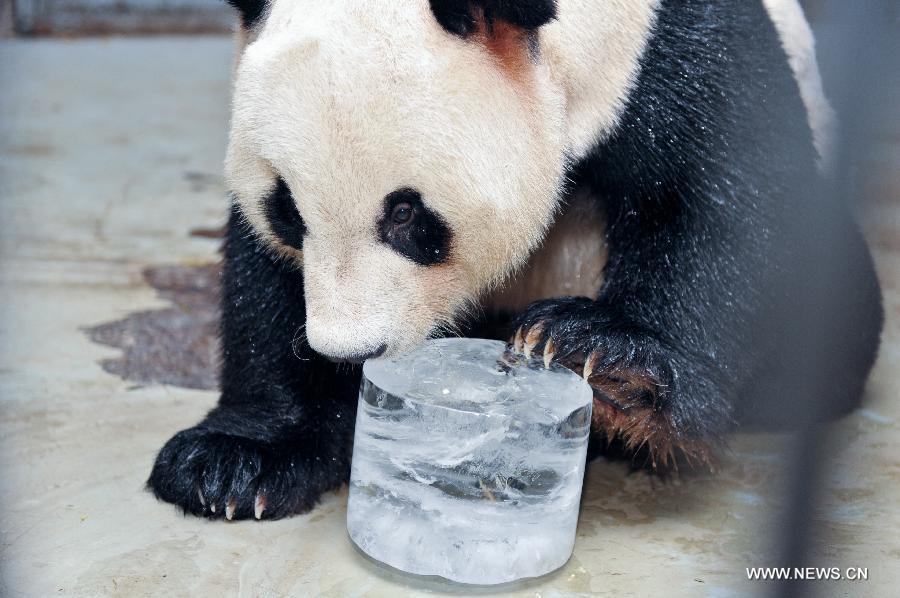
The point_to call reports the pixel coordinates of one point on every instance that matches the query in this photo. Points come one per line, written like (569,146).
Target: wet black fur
(715,232)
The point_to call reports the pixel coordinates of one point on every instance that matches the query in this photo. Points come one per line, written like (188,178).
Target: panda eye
(402,213)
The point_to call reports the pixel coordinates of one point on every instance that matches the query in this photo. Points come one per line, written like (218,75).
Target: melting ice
(467,464)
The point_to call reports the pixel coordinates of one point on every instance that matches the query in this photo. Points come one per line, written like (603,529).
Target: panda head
(406,161)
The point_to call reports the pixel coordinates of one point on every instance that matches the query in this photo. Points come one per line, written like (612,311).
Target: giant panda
(627,187)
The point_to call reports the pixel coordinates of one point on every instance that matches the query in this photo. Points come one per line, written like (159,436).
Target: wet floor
(111,194)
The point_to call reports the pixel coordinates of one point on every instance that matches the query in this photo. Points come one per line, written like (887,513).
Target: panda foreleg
(281,434)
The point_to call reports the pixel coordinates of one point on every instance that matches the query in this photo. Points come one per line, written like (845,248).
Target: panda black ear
(251,10)
(461,17)
(527,14)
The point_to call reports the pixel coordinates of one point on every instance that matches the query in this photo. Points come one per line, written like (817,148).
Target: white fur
(569,262)
(800,46)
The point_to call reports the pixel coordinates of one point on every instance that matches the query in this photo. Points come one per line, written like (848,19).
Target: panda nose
(358,357)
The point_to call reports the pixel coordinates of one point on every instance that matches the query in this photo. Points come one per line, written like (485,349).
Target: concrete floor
(110,154)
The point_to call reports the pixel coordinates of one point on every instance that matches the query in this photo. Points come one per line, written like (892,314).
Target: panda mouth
(359,358)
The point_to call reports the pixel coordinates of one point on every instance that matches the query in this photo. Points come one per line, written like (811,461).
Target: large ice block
(468,464)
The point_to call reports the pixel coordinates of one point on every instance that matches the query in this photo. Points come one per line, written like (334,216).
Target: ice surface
(467,464)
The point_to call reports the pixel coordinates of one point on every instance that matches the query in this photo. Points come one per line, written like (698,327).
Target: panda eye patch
(284,219)
(413,230)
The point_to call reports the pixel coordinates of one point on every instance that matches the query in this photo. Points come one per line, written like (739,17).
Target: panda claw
(212,507)
(518,343)
(259,506)
(200,496)
(229,509)
(549,352)
(532,339)
(589,364)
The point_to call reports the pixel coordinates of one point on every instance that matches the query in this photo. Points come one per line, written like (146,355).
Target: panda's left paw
(220,476)
(648,394)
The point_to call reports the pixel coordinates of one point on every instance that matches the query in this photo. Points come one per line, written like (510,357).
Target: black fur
(425,238)
(251,10)
(283,217)
(457,17)
(715,233)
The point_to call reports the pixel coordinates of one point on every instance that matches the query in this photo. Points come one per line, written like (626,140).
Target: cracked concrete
(110,156)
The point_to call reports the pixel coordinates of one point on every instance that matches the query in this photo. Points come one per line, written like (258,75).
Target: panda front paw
(647,395)
(219,476)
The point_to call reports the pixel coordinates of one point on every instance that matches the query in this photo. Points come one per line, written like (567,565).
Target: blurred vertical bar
(6,19)
(859,55)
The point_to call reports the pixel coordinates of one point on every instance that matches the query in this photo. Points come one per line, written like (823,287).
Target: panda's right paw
(219,476)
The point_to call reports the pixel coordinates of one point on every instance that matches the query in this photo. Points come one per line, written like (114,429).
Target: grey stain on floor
(177,345)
